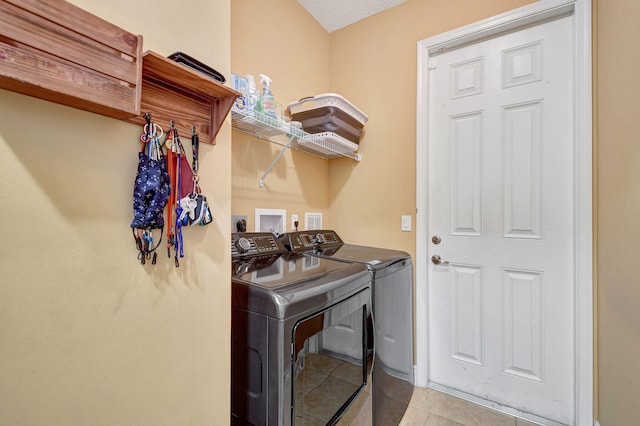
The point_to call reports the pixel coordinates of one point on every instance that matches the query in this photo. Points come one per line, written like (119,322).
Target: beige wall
(91,337)
(88,335)
(373,63)
(280,39)
(618,210)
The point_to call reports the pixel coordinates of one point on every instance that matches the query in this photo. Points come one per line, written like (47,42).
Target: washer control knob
(243,245)
(320,239)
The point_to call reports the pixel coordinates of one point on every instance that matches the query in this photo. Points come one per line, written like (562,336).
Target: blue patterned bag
(150,192)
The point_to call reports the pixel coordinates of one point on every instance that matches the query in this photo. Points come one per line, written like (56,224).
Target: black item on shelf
(188,61)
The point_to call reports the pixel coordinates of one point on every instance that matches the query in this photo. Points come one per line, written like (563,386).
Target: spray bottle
(266,103)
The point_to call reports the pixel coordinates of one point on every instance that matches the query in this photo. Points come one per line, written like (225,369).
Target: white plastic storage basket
(327,100)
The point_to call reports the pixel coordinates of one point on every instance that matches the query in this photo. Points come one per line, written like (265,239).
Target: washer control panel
(310,240)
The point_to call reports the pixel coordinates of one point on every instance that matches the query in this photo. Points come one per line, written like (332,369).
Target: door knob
(437,260)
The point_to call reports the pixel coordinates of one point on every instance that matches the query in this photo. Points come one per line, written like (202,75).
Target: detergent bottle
(252,95)
(266,103)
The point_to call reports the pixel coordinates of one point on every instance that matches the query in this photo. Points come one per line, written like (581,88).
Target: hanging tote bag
(150,192)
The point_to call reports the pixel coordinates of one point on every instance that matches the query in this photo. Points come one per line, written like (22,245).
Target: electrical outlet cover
(235,219)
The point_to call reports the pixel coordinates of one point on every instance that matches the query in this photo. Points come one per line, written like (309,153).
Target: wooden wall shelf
(59,52)
(56,51)
(171,91)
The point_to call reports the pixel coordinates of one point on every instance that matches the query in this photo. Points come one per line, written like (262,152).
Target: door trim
(583,201)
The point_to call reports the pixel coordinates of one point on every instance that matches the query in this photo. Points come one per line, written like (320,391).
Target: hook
(193,130)
(171,124)
(147,117)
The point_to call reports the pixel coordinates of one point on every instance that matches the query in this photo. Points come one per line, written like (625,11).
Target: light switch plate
(406,223)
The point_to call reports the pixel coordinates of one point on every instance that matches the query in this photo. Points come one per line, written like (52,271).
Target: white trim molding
(583,202)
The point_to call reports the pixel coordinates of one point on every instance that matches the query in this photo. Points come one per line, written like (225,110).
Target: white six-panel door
(500,195)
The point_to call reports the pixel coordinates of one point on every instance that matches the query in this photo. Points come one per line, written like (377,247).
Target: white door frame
(583,200)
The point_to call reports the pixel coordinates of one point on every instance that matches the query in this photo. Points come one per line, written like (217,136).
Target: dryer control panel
(245,244)
(302,241)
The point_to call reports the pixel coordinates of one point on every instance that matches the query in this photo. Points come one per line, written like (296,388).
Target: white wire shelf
(323,145)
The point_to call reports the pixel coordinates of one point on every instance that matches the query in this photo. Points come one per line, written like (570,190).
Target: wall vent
(312,221)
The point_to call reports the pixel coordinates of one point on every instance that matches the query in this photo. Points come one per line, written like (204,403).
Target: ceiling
(336,14)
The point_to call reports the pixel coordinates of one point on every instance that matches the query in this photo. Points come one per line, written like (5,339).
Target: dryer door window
(331,361)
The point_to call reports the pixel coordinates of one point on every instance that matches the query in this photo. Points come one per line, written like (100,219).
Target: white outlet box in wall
(270,220)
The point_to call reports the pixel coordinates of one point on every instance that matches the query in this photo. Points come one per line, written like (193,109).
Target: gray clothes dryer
(301,345)
(392,282)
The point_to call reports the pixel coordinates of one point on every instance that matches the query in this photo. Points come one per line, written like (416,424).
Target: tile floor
(326,382)
(432,408)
